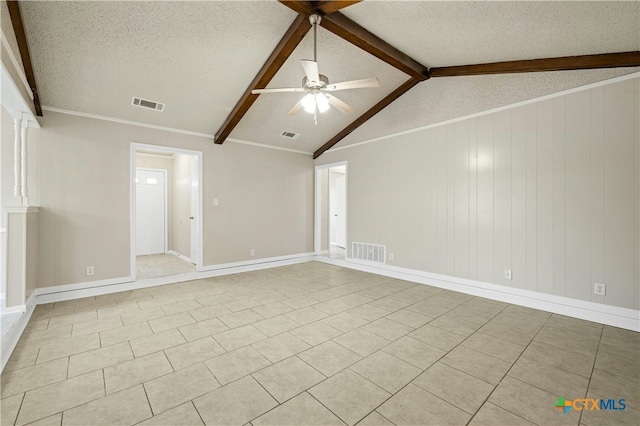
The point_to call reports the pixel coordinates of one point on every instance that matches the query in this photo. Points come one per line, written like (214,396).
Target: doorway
(331,210)
(166,211)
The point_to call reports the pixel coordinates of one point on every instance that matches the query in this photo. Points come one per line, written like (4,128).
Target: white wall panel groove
(548,190)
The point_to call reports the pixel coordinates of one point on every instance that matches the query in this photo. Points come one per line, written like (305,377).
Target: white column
(24,157)
(17,187)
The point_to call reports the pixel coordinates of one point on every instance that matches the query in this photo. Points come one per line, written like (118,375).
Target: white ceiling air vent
(290,135)
(144,103)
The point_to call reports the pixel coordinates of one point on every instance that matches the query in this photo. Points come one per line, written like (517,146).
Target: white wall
(266,198)
(549,190)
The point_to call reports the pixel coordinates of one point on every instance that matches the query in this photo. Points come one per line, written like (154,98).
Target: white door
(150,212)
(337,201)
(195,184)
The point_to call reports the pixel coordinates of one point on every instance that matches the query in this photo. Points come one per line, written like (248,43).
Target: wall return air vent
(368,253)
(290,135)
(145,103)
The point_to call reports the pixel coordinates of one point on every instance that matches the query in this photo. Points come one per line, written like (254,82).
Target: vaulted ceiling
(200,57)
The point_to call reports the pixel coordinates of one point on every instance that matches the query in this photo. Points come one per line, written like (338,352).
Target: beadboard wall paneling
(549,190)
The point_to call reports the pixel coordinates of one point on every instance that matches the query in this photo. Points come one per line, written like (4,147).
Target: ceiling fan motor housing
(319,85)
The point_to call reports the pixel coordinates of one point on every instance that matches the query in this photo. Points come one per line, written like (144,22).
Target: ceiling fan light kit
(317,85)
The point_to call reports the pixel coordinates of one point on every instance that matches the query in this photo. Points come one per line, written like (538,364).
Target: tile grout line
(146,396)
(436,361)
(328,409)
(24,395)
(507,373)
(409,383)
(361,327)
(196,408)
(592,370)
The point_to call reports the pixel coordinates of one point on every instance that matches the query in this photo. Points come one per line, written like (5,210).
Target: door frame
(193,231)
(333,225)
(134,148)
(317,225)
(166,203)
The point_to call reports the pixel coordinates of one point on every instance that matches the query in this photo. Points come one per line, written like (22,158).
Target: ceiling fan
(317,85)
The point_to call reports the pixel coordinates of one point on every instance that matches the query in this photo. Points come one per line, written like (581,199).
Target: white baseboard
(98,288)
(590,311)
(15,332)
(14,309)
(175,253)
(254,263)
(80,286)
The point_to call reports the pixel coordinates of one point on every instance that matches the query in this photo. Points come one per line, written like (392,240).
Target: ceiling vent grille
(290,135)
(368,253)
(144,103)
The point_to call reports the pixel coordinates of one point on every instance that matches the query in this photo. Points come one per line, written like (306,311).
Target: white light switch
(507,274)
(215,202)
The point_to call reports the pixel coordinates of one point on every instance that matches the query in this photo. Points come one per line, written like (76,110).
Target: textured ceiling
(339,61)
(199,57)
(442,99)
(451,33)
(196,57)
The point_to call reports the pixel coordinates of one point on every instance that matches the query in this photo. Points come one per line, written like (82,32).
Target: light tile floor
(313,344)
(161,265)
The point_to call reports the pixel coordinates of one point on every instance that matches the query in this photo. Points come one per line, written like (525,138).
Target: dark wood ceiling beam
(283,50)
(367,115)
(302,7)
(329,7)
(320,7)
(23,47)
(566,63)
(357,35)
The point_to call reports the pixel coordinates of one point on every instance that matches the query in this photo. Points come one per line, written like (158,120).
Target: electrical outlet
(253,252)
(90,270)
(507,274)
(600,289)
(391,256)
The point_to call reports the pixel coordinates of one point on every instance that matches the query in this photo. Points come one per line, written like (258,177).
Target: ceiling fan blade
(277,90)
(338,104)
(311,69)
(297,107)
(354,84)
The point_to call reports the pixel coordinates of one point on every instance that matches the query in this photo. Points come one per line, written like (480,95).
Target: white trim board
(180,256)
(317,214)
(166,129)
(590,311)
(15,332)
(134,148)
(493,110)
(16,64)
(98,288)
(243,142)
